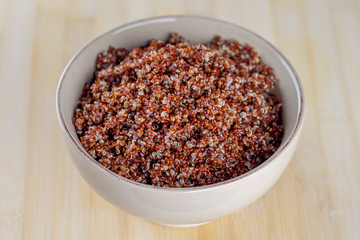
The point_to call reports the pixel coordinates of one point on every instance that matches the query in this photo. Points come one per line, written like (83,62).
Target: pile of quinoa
(180,115)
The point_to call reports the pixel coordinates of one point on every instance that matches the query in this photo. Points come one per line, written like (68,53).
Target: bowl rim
(145,21)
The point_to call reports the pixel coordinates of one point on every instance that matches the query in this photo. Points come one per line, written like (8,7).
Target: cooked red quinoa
(180,115)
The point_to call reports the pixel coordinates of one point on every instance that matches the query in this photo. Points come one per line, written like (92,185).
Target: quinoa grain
(180,115)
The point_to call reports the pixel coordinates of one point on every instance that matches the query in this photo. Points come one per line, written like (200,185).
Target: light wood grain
(43,197)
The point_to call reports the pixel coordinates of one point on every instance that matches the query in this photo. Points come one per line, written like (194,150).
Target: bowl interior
(196,29)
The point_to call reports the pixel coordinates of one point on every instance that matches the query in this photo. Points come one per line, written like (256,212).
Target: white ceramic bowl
(180,206)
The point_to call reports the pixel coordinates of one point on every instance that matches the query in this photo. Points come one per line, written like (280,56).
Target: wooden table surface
(42,196)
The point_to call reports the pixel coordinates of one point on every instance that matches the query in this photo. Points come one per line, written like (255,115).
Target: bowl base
(182,225)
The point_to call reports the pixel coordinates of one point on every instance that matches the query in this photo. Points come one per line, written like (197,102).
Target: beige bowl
(174,206)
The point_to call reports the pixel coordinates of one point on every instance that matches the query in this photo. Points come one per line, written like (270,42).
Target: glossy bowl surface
(180,206)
